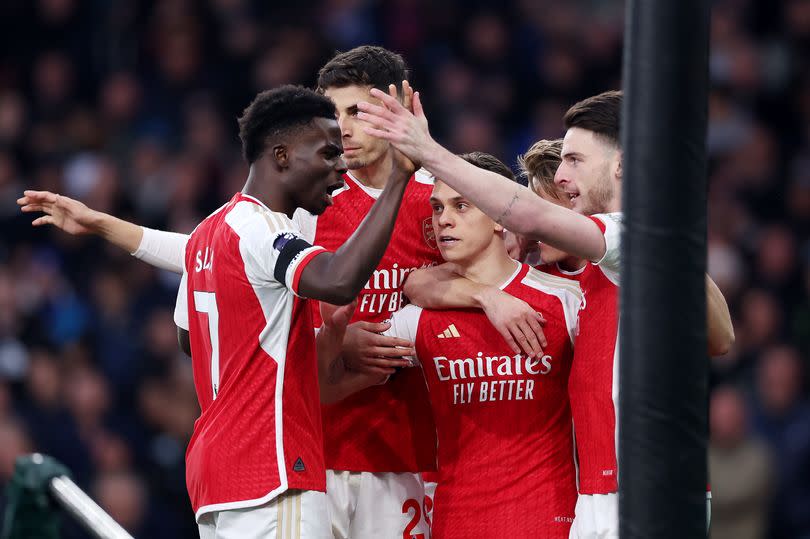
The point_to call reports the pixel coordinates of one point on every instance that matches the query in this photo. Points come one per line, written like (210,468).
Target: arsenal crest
(428,233)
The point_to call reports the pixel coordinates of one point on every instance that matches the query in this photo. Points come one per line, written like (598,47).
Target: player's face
(316,166)
(589,172)
(462,231)
(549,254)
(360,149)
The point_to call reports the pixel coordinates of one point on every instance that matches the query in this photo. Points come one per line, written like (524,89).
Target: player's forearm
(164,250)
(719,328)
(516,207)
(440,288)
(336,382)
(339,277)
(120,233)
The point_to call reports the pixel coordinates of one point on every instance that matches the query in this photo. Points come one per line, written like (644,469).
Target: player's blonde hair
(539,164)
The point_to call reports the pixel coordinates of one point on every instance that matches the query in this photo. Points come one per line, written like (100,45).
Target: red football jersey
(254,360)
(503,420)
(385,428)
(593,386)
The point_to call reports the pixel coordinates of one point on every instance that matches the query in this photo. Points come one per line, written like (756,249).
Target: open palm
(60,211)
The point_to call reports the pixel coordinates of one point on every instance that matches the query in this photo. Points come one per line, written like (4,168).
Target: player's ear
(618,167)
(499,229)
(280,155)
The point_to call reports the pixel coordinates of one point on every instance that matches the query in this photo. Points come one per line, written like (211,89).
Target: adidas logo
(449,333)
(299,465)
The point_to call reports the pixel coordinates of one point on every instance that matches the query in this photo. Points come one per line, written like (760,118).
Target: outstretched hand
(404,124)
(401,161)
(60,211)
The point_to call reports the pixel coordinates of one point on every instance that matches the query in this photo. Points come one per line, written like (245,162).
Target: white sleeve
(164,250)
(404,324)
(611,226)
(306,223)
(272,248)
(181,306)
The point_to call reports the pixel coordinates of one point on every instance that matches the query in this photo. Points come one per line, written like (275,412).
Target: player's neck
(375,175)
(492,267)
(571,263)
(268,193)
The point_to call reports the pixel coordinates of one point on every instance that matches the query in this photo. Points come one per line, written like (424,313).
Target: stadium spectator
(740,470)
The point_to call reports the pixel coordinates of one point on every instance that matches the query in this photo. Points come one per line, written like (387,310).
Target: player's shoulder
(423,177)
(608,219)
(257,227)
(551,284)
(248,213)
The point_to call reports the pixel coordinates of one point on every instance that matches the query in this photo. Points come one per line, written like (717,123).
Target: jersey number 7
(206,302)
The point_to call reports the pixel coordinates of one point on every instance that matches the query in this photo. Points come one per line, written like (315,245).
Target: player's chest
(467,363)
(412,240)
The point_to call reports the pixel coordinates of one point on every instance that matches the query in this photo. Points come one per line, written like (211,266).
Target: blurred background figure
(130,106)
(740,468)
(782,417)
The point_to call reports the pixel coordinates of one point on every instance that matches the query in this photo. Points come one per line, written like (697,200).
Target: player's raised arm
(508,203)
(338,277)
(164,250)
(440,287)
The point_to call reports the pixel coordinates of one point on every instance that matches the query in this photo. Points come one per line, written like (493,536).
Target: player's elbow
(340,294)
(720,345)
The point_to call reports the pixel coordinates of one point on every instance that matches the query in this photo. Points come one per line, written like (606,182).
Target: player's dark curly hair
(488,162)
(367,65)
(276,112)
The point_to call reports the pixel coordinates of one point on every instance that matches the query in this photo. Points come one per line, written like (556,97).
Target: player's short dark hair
(367,65)
(600,114)
(488,162)
(275,112)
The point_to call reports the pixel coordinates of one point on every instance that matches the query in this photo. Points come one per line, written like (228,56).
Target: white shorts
(292,515)
(596,517)
(365,505)
(430,492)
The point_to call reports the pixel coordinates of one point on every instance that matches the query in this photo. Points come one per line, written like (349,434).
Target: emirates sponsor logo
(520,370)
(388,279)
(383,291)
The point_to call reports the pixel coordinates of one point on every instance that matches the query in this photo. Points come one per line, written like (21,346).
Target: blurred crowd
(130,106)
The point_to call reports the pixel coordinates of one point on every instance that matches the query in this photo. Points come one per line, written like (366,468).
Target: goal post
(663,368)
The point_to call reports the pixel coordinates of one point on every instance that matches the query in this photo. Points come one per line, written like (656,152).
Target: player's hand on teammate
(402,161)
(335,321)
(516,321)
(402,124)
(365,350)
(60,211)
